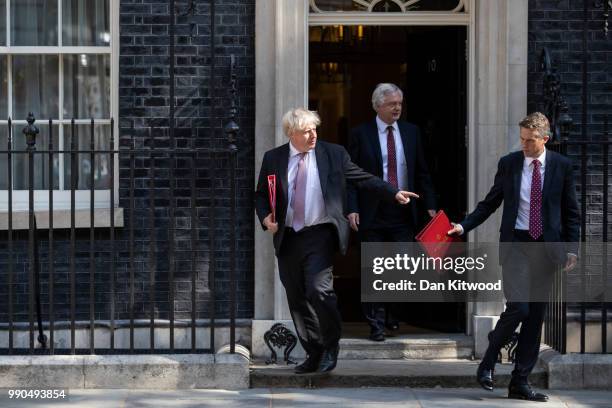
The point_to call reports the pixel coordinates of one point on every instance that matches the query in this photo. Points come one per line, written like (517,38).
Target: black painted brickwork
(144,109)
(144,89)
(558,25)
(143,119)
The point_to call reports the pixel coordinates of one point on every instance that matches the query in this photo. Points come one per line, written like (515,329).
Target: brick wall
(144,109)
(143,120)
(558,26)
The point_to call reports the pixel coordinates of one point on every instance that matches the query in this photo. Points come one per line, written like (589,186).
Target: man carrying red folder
(536,186)
(306,216)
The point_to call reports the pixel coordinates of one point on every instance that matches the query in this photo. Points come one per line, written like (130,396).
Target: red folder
(272,195)
(434,237)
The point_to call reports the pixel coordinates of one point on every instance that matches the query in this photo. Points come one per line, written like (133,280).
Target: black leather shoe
(485,378)
(377,335)
(524,392)
(329,359)
(310,365)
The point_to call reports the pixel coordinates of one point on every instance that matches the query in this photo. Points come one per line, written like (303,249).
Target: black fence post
(92,239)
(231,130)
(172,161)
(565,126)
(112,233)
(212,168)
(556,109)
(9,175)
(30,132)
(152,244)
(604,278)
(74,174)
(51,253)
(131,245)
(583,166)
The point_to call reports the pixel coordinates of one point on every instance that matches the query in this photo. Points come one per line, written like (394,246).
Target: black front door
(430,65)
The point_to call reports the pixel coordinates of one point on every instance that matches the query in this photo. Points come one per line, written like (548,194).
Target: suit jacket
(364,148)
(560,216)
(335,168)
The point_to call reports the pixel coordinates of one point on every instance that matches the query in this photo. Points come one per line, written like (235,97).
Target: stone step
(387,373)
(145,371)
(408,346)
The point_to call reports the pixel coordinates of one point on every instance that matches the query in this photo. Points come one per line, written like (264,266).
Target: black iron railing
(161,244)
(138,238)
(592,158)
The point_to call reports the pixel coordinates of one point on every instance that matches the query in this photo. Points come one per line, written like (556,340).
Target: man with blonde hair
(309,226)
(536,186)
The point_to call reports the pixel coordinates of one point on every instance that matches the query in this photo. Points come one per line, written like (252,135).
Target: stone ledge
(167,371)
(61,219)
(577,371)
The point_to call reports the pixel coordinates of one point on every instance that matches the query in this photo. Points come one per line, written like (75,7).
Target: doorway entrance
(429,64)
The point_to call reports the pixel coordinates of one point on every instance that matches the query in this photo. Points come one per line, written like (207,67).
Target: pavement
(320,398)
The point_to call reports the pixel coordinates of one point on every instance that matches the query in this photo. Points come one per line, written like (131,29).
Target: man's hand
(354,221)
(432,213)
(457,229)
(571,262)
(403,197)
(272,227)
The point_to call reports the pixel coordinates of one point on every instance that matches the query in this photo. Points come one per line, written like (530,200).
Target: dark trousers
(305,265)
(376,313)
(526,269)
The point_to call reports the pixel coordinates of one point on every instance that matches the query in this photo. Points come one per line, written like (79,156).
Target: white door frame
(497,100)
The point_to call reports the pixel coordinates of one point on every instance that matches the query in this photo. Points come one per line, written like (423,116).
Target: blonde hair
(537,121)
(299,119)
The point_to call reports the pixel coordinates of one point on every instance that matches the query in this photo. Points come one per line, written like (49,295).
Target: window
(58,59)
(400,6)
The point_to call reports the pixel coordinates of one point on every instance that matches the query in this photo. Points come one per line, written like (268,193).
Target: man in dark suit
(309,226)
(536,186)
(391,150)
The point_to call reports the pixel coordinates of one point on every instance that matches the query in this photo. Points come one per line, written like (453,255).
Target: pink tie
(298,201)
(535,202)
(391,158)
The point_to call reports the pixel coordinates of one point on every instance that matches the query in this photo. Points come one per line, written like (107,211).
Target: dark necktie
(535,202)
(298,200)
(391,158)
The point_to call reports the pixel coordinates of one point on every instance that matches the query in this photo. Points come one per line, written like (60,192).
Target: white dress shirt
(522,220)
(402,169)
(314,207)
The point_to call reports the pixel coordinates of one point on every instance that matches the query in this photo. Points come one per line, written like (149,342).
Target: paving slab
(319,398)
(346,398)
(583,399)
(475,397)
